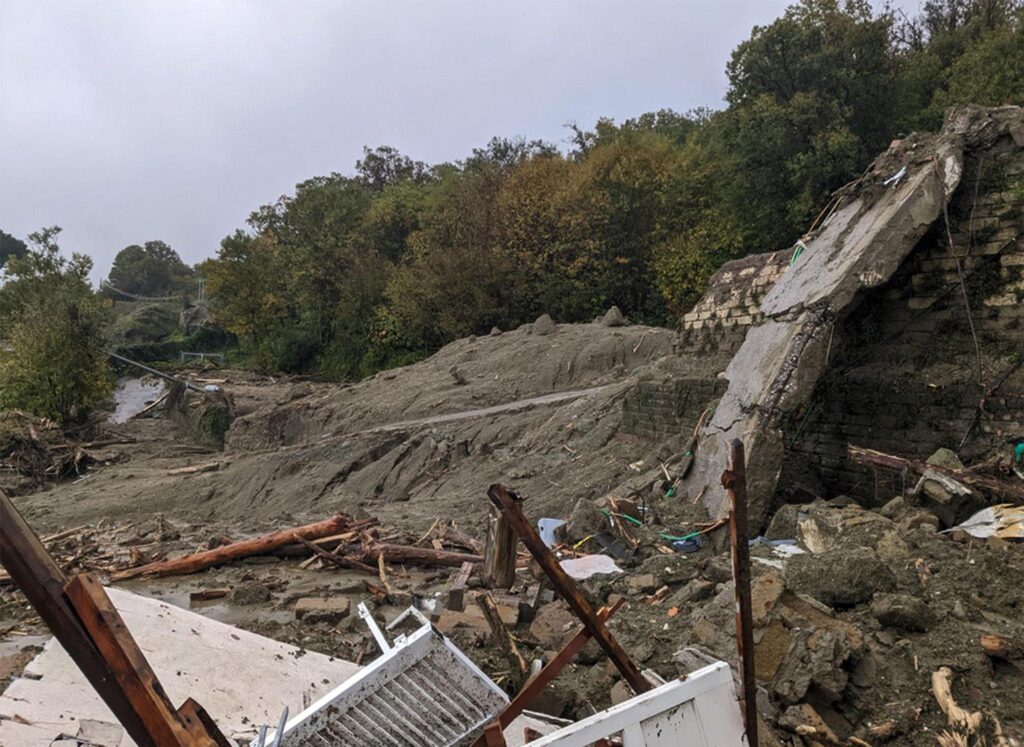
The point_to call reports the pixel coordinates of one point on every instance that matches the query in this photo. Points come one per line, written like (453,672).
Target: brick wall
(670,406)
(732,304)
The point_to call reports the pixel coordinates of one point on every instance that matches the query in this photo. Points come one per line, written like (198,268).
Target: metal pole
(735,481)
(154,371)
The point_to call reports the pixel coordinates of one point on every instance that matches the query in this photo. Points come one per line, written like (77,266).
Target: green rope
(797,251)
(637,522)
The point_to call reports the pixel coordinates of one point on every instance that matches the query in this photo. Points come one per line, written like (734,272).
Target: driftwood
(503,638)
(331,543)
(339,560)
(989,485)
(959,718)
(235,551)
(999,647)
(416,555)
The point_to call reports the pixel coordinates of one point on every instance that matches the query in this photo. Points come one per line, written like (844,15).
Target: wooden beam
(42,582)
(734,479)
(129,665)
(536,684)
(457,591)
(199,724)
(500,556)
(508,503)
(991,486)
(493,737)
(417,555)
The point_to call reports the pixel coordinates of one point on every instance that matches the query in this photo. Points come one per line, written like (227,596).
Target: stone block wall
(732,304)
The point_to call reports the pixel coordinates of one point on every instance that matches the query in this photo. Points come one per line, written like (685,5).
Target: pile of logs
(339,541)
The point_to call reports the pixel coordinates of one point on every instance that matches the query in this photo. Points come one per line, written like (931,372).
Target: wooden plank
(129,665)
(734,479)
(500,556)
(457,591)
(42,582)
(548,672)
(566,587)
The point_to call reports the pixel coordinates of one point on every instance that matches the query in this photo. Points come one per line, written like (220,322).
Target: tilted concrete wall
(904,377)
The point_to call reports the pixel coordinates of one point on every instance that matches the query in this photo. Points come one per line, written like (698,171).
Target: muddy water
(133,394)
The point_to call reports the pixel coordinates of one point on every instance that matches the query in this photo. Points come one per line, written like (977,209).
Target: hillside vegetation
(354,273)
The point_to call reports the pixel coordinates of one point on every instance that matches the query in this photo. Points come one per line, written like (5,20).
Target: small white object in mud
(589,565)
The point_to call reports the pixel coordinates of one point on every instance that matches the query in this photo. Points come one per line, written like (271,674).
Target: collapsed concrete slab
(872,227)
(241,678)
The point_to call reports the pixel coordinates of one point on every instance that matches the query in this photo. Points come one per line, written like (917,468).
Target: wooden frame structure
(85,622)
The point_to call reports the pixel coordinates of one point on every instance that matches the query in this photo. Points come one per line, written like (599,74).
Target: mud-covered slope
(497,370)
(541,412)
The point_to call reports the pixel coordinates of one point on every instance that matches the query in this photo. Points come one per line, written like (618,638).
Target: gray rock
(322,609)
(614,318)
(894,508)
(902,611)
(544,325)
(586,519)
(495,331)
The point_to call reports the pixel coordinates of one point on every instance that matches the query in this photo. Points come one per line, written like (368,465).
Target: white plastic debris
(1003,520)
(589,565)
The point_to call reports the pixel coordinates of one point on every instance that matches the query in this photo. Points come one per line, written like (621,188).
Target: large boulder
(839,577)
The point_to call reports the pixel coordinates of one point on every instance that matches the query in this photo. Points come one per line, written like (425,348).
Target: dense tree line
(353,273)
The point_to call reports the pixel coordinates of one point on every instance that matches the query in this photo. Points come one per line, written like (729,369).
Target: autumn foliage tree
(354,273)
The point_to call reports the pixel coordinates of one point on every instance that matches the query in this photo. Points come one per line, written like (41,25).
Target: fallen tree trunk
(415,555)
(330,543)
(235,551)
(989,485)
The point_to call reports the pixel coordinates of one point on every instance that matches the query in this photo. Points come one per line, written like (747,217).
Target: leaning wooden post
(566,587)
(500,555)
(735,481)
(42,582)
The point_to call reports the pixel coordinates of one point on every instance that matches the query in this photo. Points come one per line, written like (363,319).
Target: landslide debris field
(879,617)
(849,632)
(411,445)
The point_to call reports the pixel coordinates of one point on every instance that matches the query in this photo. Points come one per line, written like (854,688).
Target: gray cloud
(127,120)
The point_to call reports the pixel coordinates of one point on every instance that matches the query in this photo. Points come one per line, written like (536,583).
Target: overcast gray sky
(129,120)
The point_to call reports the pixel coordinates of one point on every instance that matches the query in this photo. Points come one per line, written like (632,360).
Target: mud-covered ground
(848,630)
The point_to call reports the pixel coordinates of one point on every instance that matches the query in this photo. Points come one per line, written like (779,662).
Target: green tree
(813,97)
(58,366)
(10,246)
(990,72)
(153,269)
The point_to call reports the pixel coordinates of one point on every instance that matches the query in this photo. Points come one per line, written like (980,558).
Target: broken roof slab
(240,678)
